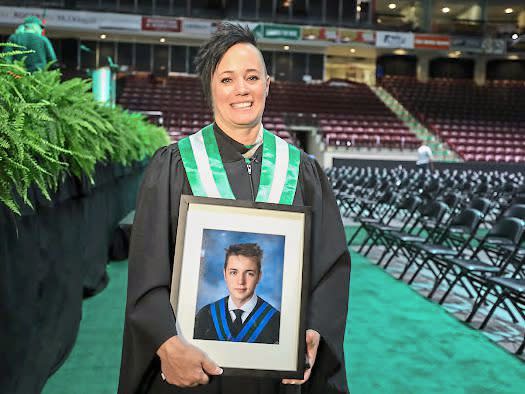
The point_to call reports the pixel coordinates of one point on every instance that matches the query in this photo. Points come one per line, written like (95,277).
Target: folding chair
(407,208)
(495,245)
(429,220)
(452,242)
(506,289)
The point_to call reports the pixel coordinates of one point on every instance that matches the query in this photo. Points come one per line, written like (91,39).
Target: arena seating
(481,123)
(348,115)
(183,105)
(463,228)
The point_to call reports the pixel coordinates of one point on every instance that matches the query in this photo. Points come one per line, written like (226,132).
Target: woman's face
(239,87)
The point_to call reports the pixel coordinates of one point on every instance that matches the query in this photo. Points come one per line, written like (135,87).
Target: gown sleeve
(329,281)
(149,320)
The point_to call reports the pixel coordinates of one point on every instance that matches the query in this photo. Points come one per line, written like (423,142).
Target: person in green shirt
(29,35)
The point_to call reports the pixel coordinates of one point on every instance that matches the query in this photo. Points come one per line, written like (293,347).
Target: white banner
(198,27)
(83,20)
(394,39)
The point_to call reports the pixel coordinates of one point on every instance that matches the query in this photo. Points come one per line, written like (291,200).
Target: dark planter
(50,258)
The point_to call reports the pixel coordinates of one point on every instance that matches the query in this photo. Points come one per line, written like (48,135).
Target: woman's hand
(185,365)
(312,344)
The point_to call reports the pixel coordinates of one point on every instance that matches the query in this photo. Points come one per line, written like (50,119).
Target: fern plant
(20,50)
(50,129)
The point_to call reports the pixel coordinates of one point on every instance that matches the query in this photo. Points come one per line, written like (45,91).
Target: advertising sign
(83,20)
(364,36)
(276,32)
(394,39)
(161,24)
(319,33)
(198,27)
(429,41)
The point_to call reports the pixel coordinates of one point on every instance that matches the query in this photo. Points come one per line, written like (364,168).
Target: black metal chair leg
(394,254)
(407,267)
(411,280)
(522,347)
(442,299)
(512,316)
(501,297)
(372,240)
(380,260)
(438,282)
(354,236)
(363,244)
(477,305)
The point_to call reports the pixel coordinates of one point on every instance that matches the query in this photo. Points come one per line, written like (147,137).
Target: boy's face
(242,276)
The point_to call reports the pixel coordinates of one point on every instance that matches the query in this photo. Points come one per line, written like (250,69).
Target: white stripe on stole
(281,168)
(203,165)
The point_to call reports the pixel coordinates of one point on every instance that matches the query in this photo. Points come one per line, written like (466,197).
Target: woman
(154,359)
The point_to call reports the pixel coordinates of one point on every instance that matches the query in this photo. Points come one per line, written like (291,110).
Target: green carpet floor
(93,365)
(397,342)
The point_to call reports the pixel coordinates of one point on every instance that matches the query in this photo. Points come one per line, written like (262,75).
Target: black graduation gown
(150,320)
(206,328)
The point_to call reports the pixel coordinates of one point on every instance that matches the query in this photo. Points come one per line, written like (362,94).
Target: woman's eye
(253,78)
(226,80)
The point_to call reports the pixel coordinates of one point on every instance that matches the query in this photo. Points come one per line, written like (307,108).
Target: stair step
(439,148)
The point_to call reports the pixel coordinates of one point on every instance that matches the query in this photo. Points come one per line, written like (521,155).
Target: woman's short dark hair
(251,250)
(211,53)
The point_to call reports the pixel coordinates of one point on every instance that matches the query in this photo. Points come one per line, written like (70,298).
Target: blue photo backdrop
(211,280)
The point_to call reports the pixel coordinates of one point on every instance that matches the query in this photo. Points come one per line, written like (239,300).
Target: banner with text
(429,41)
(198,27)
(364,36)
(319,33)
(78,20)
(278,32)
(394,39)
(161,24)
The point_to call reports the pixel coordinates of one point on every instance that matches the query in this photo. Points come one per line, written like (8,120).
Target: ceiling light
(358,8)
(509,10)
(513,57)
(445,10)
(162,39)
(392,6)
(400,52)
(352,50)
(286,47)
(103,36)
(515,36)
(379,20)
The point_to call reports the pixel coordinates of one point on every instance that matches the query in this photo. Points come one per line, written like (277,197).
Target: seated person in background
(241,316)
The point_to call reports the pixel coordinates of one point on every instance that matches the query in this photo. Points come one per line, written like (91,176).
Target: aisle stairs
(440,150)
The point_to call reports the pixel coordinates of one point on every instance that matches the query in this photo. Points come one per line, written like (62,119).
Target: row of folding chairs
(470,237)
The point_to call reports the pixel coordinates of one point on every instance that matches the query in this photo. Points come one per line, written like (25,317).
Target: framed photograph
(240,284)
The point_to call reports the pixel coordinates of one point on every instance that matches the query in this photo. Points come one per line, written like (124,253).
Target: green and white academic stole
(207,177)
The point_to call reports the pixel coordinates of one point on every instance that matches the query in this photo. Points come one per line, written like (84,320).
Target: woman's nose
(241,86)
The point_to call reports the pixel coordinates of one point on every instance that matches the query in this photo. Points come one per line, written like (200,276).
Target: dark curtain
(51,257)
